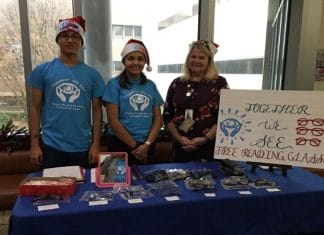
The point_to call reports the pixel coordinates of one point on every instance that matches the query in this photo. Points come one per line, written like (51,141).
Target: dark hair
(124,79)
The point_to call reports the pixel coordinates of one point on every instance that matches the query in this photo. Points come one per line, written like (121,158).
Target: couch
(14,168)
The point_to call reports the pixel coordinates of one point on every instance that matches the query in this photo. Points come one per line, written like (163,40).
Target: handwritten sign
(277,127)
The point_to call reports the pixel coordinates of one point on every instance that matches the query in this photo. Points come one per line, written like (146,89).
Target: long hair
(211,72)
(124,80)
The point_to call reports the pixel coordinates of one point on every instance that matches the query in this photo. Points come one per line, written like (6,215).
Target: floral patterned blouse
(201,97)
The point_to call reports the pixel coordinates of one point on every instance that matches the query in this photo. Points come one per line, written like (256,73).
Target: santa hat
(76,24)
(208,44)
(136,45)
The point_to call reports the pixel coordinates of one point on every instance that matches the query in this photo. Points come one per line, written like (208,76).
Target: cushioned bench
(13,169)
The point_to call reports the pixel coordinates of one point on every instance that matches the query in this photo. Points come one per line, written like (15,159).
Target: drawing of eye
(68,88)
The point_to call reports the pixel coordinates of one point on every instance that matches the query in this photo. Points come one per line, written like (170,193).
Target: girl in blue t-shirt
(133,106)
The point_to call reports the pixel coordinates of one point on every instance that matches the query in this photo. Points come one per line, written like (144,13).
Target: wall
(303,41)
(319,85)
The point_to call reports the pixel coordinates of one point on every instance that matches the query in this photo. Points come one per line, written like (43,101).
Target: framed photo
(113,170)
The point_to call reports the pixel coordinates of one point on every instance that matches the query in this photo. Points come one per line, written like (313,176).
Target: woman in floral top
(191,107)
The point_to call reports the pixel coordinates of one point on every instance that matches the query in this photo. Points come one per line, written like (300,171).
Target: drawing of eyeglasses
(314,131)
(313,142)
(315,121)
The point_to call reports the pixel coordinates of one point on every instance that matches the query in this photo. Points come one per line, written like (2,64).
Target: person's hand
(93,154)
(189,147)
(140,153)
(186,144)
(36,155)
(194,143)
(198,141)
(183,140)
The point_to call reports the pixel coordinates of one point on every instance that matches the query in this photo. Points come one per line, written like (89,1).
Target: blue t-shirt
(136,104)
(66,111)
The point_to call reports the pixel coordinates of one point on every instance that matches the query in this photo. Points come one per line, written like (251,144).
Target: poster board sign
(272,127)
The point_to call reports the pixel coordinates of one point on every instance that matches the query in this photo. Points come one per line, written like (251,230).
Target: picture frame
(113,170)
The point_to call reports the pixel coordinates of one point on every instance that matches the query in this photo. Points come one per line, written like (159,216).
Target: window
(129,31)
(43,16)
(172,68)
(117,31)
(137,32)
(126,32)
(240,30)
(166,27)
(12,87)
(117,67)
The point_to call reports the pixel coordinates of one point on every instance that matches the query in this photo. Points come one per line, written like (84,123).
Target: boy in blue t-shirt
(66,96)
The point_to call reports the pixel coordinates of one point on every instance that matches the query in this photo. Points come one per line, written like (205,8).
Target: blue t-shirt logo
(67,90)
(139,102)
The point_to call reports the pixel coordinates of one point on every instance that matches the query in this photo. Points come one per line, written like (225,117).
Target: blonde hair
(211,70)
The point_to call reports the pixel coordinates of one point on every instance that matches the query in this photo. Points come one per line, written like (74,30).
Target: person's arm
(118,129)
(96,129)
(174,131)
(201,140)
(141,151)
(36,154)
(156,125)
(210,135)
(183,140)
(169,114)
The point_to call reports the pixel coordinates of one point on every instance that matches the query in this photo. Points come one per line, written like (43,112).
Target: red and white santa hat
(136,45)
(76,24)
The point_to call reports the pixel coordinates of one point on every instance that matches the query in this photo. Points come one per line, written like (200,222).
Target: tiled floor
(4,222)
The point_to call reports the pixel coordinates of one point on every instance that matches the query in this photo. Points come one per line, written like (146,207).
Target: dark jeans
(55,158)
(116,145)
